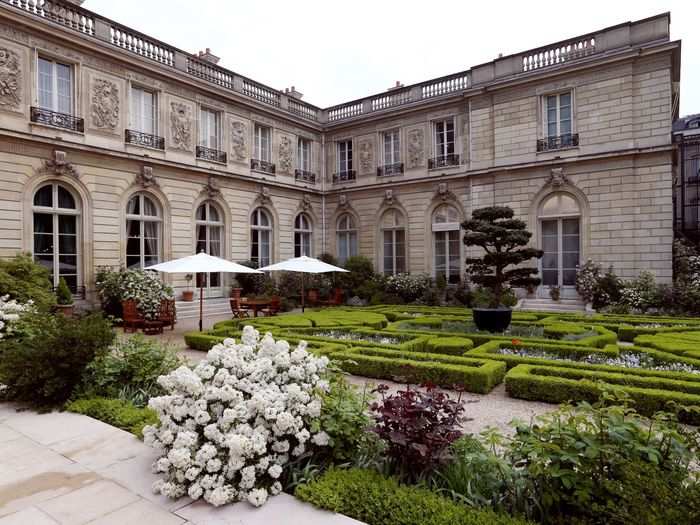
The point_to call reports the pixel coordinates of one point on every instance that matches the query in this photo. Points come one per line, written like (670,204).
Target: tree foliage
(504,241)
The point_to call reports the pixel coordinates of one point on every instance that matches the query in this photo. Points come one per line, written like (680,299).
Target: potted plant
(64,299)
(555,293)
(188,295)
(504,241)
(236,289)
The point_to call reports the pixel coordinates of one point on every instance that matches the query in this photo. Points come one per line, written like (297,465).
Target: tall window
(55,86)
(346,237)
(262,143)
(392,147)
(56,234)
(560,227)
(446,245)
(444,137)
(304,154)
(345,156)
(144,111)
(209,129)
(393,234)
(558,111)
(260,237)
(210,229)
(143,232)
(302,235)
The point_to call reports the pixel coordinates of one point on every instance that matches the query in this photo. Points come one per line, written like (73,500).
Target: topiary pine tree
(504,241)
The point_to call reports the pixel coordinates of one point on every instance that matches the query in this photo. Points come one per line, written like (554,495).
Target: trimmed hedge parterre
(562,357)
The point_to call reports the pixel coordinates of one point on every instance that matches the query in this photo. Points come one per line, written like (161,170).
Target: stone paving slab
(68,469)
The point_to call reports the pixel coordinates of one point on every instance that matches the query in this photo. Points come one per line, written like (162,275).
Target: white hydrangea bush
(10,312)
(229,426)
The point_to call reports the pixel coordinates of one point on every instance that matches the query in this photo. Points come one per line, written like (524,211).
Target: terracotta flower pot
(188,295)
(65,309)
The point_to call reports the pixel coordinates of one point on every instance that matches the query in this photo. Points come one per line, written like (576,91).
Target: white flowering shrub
(229,426)
(587,278)
(10,312)
(408,287)
(144,287)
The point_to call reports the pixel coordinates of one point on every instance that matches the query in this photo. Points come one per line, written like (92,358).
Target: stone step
(217,306)
(547,305)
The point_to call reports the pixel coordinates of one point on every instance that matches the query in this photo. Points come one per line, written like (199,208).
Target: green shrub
(130,370)
(202,340)
(144,287)
(63,295)
(116,412)
(475,375)
(449,345)
(24,280)
(490,351)
(367,496)
(46,359)
(651,394)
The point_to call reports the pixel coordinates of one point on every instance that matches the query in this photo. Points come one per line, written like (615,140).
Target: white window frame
(446,227)
(262,136)
(394,138)
(345,236)
(258,228)
(344,162)
(206,115)
(303,232)
(140,126)
(142,218)
(442,151)
(213,232)
(545,113)
(54,106)
(393,229)
(304,154)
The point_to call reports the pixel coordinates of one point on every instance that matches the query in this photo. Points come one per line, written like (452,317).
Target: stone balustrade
(616,38)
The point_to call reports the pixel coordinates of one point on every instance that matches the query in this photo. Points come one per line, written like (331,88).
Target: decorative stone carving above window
(239,140)
(443,194)
(10,80)
(416,148)
(286,156)
(305,204)
(211,188)
(264,197)
(366,157)
(557,179)
(59,166)
(181,126)
(145,178)
(389,197)
(343,202)
(105,104)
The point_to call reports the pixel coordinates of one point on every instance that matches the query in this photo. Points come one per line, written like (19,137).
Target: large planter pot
(65,309)
(492,319)
(188,295)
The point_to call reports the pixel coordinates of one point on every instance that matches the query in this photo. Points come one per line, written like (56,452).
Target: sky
(335,52)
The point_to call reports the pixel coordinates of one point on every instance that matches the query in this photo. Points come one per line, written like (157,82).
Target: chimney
(292,92)
(209,56)
(398,85)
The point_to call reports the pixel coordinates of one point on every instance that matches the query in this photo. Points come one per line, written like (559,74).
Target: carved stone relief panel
(11,79)
(285,158)
(366,155)
(415,147)
(181,125)
(239,140)
(105,105)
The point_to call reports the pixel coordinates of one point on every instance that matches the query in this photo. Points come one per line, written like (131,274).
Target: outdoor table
(256,304)
(152,327)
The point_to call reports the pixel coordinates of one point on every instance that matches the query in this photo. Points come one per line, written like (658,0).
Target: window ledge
(557,150)
(57,128)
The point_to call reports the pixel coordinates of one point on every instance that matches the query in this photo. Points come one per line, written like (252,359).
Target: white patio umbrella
(201,263)
(303,265)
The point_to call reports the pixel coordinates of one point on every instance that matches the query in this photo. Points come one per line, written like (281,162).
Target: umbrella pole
(302,293)
(201,304)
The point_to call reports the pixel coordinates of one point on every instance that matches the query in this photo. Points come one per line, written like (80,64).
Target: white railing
(389,100)
(58,12)
(558,54)
(261,93)
(343,111)
(209,72)
(302,110)
(445,85)
(141,45)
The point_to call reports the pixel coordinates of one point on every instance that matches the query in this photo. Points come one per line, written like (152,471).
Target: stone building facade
(117,149)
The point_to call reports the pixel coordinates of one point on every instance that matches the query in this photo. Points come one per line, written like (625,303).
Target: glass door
(210,228)
(561,242)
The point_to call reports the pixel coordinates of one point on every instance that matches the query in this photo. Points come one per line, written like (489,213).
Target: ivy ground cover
(544,357)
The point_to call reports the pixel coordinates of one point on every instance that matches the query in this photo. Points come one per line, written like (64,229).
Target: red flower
(516,341)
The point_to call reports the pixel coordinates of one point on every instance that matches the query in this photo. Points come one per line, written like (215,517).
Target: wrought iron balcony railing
(443,161)
(262,165)
(344,176)
(147,140)
(568,140)
(305,176)
(390,169)
(210,154)
(57,120)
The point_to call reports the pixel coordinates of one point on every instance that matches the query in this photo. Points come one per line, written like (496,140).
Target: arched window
(346,237)
(143,231)
(560,230)
(302,235)
(56,242)
(393,234)
(446,245)
(261,237)
(209,222)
